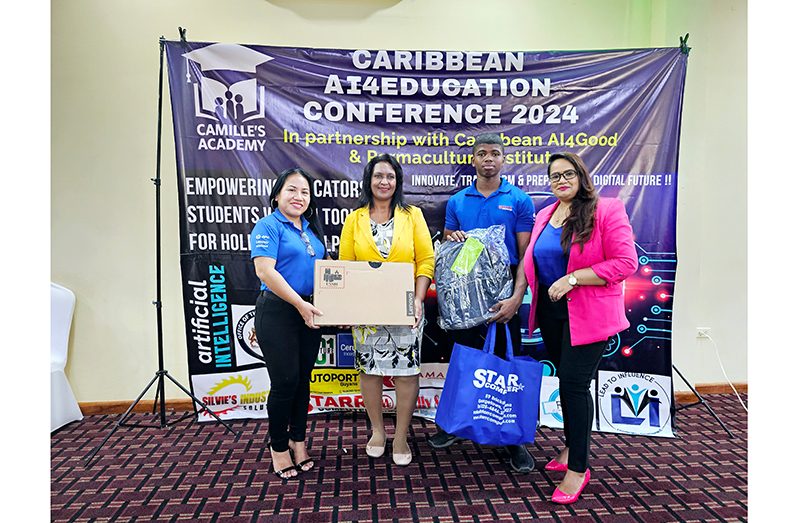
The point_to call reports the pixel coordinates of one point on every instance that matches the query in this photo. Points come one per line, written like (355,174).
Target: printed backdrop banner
(243,113)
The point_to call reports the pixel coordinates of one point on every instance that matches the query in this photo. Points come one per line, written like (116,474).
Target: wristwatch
(572,280)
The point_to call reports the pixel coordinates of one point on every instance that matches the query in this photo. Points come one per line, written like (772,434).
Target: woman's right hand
(308,313)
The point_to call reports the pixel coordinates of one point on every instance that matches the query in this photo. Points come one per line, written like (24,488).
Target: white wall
(104,93)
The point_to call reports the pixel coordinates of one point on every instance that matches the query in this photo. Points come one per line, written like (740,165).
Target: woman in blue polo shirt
(285,247)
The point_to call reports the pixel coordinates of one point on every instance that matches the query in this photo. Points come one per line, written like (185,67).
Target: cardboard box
(364,293)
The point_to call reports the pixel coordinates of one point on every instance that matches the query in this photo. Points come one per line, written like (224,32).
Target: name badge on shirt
(506,208)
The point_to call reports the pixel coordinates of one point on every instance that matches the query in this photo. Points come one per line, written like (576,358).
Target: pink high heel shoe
(556,466)
(562,498)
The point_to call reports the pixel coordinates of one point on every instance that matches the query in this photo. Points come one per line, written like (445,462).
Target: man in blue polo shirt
(491,200)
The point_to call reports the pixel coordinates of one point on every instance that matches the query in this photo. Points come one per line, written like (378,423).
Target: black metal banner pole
(157,182)
(161,374)
(701,401)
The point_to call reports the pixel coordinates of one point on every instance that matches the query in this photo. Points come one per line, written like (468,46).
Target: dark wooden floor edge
(708,389)
(118,407)
(183,405)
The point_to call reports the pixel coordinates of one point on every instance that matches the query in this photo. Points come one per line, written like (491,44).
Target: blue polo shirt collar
(280,216)
(471,190)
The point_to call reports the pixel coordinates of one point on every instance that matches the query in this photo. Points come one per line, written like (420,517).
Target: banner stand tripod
(162,374)
(701,401)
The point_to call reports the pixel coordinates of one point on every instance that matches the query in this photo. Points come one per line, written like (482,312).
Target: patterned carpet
(199,473)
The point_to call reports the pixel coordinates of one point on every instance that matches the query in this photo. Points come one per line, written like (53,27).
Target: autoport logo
(334,381)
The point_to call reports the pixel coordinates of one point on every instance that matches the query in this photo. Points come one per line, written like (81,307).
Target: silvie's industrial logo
(233,393)
(227,97)
(635,403)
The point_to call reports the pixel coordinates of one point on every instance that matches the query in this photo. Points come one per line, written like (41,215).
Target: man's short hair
(487,138)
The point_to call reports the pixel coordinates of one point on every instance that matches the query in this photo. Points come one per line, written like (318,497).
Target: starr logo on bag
(489,379)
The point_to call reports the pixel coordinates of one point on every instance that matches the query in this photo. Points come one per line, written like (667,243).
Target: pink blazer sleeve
(620,257)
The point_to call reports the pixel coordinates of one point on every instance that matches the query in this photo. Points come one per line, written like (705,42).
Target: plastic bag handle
(490,341)
(509,353)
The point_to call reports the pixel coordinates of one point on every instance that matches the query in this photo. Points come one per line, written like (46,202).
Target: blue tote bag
(490,400)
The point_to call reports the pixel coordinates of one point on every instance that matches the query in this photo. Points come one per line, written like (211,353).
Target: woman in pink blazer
(580,251)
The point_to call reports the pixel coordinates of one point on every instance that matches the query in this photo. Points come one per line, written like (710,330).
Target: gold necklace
(559,220)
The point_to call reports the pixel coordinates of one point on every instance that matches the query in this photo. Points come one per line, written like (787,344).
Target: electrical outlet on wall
(702,332)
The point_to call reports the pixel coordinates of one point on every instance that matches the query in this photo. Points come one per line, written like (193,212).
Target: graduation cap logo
(225,86)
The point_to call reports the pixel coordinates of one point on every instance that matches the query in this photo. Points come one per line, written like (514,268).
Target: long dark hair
(311,214)
(398,199)
(579,225)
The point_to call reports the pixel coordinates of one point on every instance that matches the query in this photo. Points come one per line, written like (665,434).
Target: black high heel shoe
(282,472)
(300,466)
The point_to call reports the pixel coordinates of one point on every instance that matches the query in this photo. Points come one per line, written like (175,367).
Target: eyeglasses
(568,175)
(308,246)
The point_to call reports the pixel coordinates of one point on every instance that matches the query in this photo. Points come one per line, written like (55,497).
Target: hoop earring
(273,204)
(312,210)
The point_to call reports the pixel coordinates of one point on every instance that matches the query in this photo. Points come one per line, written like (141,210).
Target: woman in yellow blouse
(386,229)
